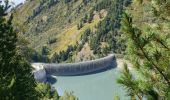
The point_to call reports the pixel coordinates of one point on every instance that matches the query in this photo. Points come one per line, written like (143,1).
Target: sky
(17,1)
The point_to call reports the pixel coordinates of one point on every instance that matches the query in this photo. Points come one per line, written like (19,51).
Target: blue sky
(17,1)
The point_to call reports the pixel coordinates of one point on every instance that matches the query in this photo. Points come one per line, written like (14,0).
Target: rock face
(39,72)
(43,70)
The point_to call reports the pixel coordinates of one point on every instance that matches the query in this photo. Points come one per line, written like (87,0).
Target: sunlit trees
(47,92)
(148,49)
(68,96)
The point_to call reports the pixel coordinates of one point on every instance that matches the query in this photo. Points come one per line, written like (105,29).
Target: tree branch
(146,56)
(159,41)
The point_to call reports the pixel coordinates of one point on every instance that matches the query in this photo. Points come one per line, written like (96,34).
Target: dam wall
(39,72)
(72,69)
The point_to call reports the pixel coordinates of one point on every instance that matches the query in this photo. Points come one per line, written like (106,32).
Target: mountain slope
(57,25)
(41,19)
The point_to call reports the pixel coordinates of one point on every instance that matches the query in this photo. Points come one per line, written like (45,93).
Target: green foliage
(43,5)
(67,55)
(45,50)
(63,55)
(31,54)
(86,2)
(148,49)
(90,16)
(43,22)
(67,1)
(116,98)
(52,40)
(103,5)
(16,79)
(107,28)
(85,36)
(42,19)
(47,92)
(87,18)
(68,96)
(80,25)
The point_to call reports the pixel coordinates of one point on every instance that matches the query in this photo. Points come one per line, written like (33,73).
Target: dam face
(39,72)
(72,69)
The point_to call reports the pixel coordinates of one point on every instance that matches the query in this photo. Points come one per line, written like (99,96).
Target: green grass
(72,35)
(56,25)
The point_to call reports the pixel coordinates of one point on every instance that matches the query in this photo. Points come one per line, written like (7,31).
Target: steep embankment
(53,23)
(71,30)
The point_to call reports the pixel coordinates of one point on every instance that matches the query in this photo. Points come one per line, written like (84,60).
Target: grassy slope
(57,24)
(72,35)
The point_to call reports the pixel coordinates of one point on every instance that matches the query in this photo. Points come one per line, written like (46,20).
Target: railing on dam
(79,68)
(71,69)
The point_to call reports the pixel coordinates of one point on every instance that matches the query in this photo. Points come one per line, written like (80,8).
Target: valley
(85,50)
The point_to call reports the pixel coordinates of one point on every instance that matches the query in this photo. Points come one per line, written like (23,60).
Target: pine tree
(148,49)
(16,79)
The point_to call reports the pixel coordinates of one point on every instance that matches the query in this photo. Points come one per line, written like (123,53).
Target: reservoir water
(99,86)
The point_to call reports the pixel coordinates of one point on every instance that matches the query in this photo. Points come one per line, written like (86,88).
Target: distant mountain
(71,30)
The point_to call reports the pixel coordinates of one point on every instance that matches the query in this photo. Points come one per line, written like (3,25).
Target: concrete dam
(42,70)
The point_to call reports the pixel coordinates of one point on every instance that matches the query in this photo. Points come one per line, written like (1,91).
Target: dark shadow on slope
(51,80)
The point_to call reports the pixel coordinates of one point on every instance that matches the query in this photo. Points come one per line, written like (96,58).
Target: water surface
(99,86)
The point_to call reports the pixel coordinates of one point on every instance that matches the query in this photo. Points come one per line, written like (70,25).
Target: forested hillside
(70,30)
